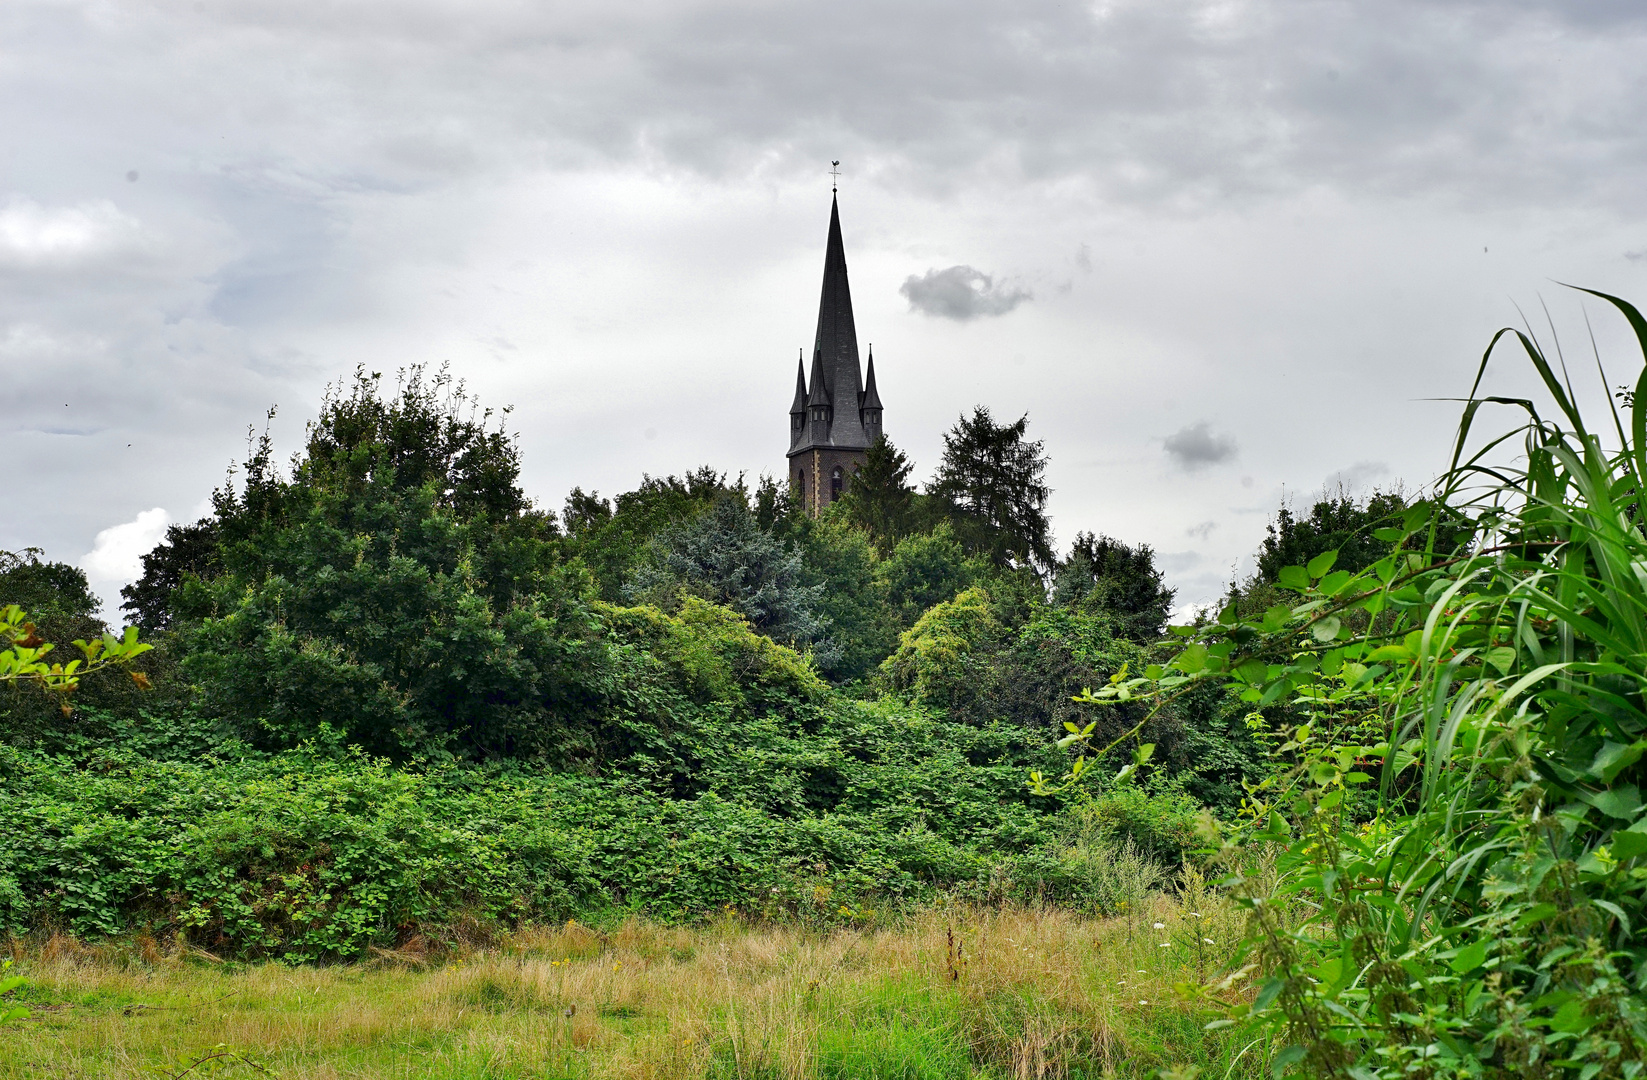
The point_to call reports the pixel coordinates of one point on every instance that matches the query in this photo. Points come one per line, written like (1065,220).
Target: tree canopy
(992,480)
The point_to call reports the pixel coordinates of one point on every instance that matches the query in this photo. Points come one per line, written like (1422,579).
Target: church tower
(836,414)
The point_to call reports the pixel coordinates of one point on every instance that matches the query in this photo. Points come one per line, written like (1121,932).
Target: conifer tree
(881,499)
(991,478)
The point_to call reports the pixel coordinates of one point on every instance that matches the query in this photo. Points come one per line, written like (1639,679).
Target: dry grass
(1019,993)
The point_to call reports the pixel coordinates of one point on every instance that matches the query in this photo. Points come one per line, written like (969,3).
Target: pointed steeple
(836,345)
(836,416)
(800,387)
(872,400)
(869,410)
(818,406)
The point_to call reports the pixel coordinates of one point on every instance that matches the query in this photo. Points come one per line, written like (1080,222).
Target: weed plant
(1462,818)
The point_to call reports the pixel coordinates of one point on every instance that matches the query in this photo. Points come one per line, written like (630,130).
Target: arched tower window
(800,485)
(835,484)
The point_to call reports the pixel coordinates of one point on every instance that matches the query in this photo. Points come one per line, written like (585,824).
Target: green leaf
(1535,915)
(1390,652)
(1630,843)
(1388,535)
(1615,911)
(1285,1060)
(1327,629)
(1267,995)
(1502,658)
(1192,659)
(1334,583)
(1469,958)
(1613,758)
(1332,662)
(1294,578)
(1319,565)
(1623,801)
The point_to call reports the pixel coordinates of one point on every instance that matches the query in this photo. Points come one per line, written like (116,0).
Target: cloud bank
(211,208)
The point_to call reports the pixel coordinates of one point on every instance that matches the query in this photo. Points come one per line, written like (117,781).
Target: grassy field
(1017,993)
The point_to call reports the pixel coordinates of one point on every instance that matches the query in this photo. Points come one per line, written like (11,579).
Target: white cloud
(34,236)
(960,293)
(116,557)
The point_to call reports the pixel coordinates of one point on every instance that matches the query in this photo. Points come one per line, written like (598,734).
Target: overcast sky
(1222,253)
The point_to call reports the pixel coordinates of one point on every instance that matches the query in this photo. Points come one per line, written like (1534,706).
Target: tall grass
(957,992)
(1464,811)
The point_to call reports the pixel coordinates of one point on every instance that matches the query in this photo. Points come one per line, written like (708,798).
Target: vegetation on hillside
(395,709)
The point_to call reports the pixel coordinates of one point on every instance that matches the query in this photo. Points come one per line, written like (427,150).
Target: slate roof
(800,389)
(836,374)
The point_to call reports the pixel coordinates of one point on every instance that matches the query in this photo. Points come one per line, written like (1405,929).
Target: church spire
(836,344)
(836,416)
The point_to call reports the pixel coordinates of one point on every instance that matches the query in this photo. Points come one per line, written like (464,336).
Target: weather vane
(834,171)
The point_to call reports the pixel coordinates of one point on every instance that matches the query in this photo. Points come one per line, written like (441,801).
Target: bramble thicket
(392,702)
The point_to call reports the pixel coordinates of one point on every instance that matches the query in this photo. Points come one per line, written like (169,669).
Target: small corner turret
(870,409)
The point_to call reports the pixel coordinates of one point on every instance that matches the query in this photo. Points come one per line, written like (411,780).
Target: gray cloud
(960,293)
(1197,446)
(209,208)
(1357,476)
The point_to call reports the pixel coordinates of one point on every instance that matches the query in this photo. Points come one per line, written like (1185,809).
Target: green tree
(187,551)
(612,538)
(1336,522)
(1104,575)
(926,569)
(991,477)
(398,591)
(724,556)
(880,498)
(842,560)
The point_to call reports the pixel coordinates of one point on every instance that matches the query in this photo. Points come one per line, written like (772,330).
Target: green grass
(1035,994)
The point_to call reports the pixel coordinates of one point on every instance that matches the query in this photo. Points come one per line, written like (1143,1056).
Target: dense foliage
(1462,838)
(391,697)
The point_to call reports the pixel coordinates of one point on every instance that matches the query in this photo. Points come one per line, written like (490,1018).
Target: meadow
(960,991)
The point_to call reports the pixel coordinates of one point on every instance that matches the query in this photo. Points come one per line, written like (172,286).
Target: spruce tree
(991,478)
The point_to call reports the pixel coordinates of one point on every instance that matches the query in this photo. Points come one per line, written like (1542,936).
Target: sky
(1225,255)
